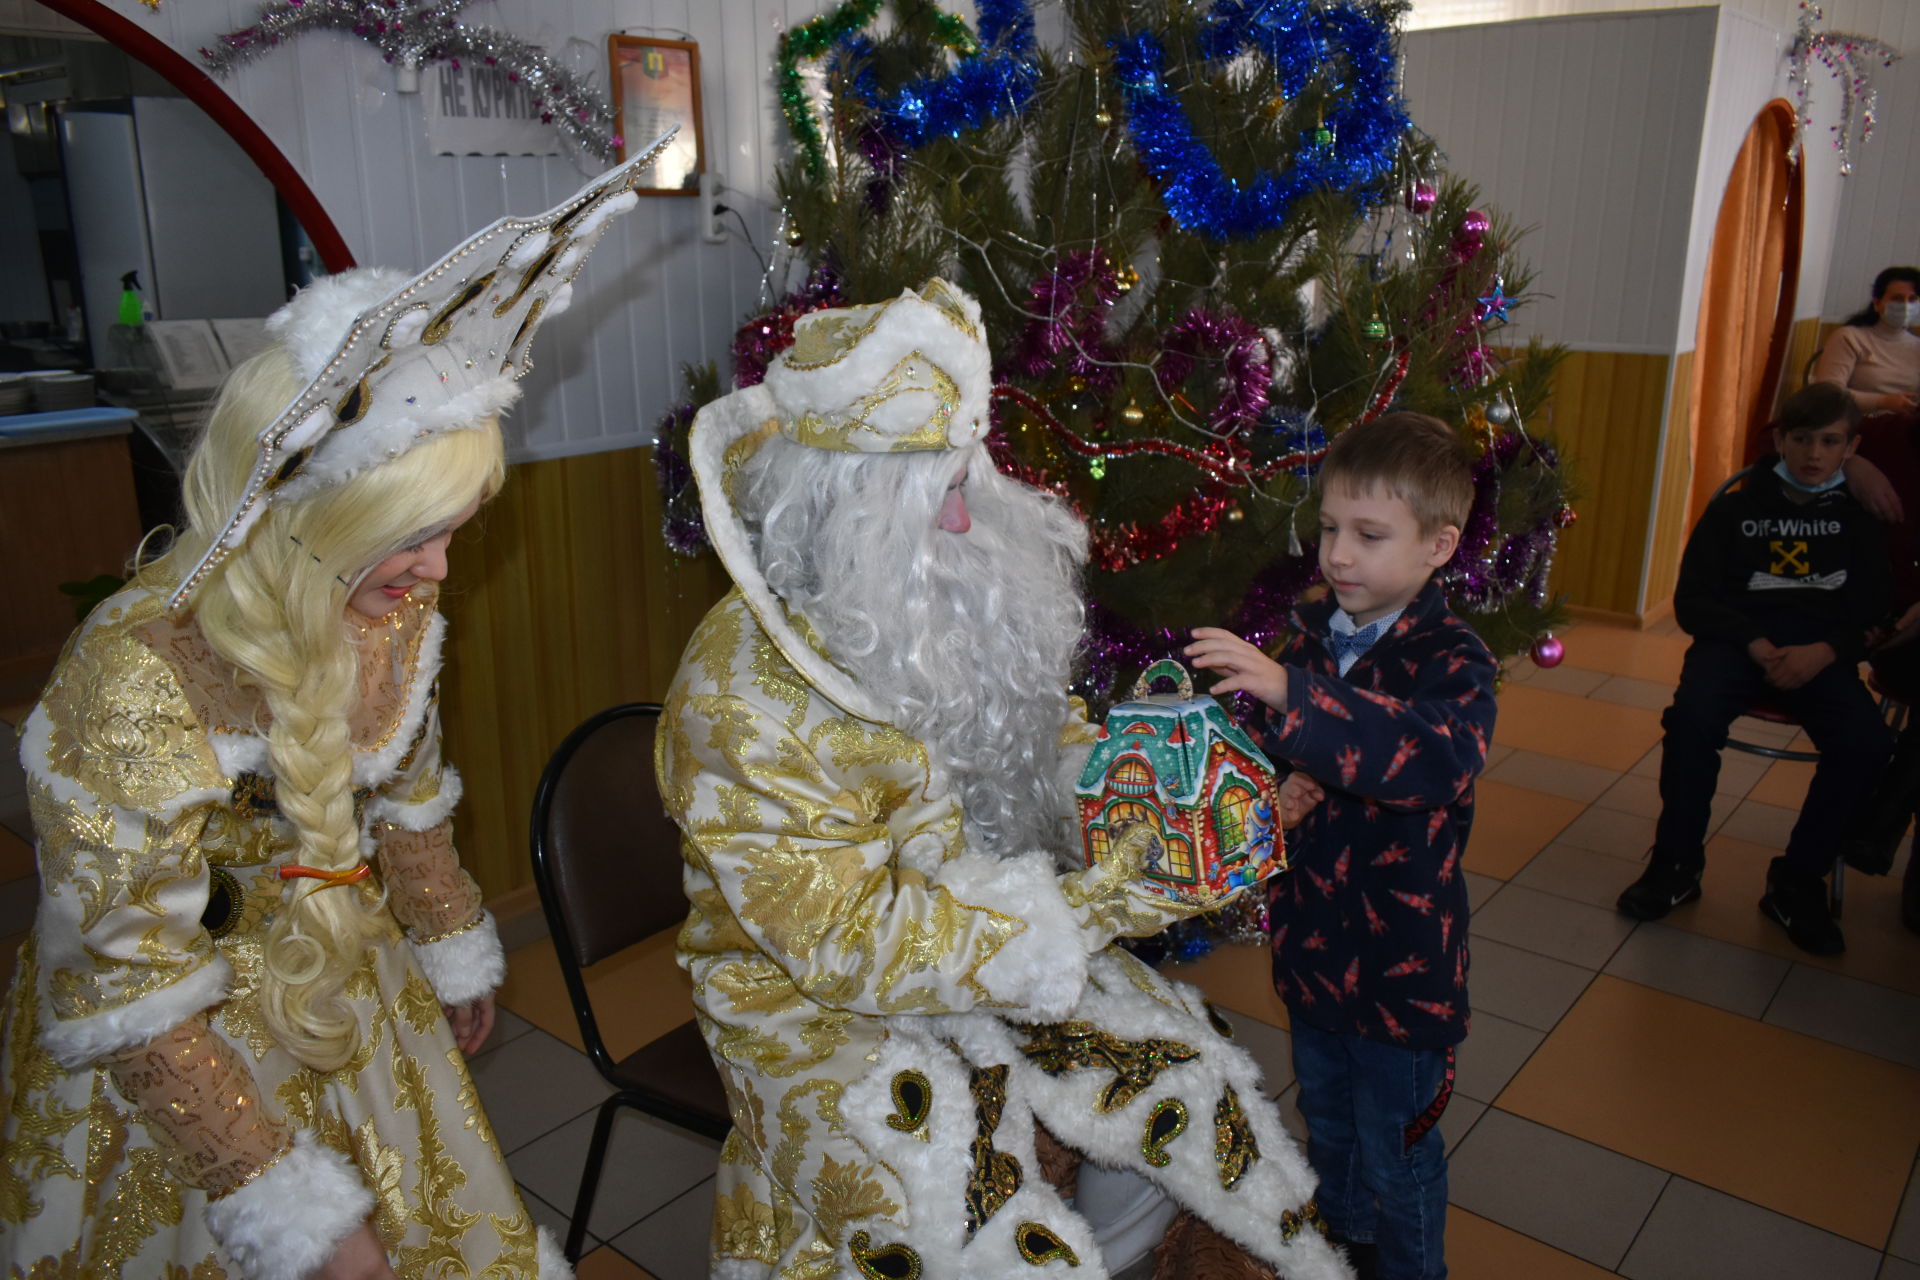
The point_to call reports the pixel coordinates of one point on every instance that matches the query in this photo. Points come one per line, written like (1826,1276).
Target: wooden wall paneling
(1606,413)
(1670,527)
(564,600)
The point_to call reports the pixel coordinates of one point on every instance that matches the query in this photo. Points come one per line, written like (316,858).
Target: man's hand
(1870,485)
(471,1023)
(1298,794)
(1799,663)
(1245,667)
(358,1257)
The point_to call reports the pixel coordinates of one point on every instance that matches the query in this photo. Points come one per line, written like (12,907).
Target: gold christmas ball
(1275,105)
(1133,415)
(1126,279)
(1076,384)
(794,234)
(1103,117)
(1235,515)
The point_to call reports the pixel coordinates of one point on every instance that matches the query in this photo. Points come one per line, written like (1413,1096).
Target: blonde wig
(277,611)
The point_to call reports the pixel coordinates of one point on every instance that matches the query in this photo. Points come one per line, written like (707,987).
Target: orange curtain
(1746,304)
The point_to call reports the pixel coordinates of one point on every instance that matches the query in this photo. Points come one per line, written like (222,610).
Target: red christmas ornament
(1548,651)
(1421,197)
(1565,516)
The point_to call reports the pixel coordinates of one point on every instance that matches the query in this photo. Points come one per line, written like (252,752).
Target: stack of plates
(16,395)
(62,391)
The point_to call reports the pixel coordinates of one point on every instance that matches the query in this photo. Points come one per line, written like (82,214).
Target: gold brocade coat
(139,1082)
(892,1014)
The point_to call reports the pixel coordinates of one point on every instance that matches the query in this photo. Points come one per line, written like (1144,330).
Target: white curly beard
(967,638)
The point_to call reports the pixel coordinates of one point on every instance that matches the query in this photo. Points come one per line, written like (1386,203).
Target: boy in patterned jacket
(1382,705)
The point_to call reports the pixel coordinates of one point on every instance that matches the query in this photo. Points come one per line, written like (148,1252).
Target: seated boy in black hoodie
(1781,580)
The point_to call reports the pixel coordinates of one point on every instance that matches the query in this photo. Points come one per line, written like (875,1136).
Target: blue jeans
(1359,1099)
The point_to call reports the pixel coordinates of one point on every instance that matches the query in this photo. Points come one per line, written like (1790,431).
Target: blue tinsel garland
(983,86)
(1350,43)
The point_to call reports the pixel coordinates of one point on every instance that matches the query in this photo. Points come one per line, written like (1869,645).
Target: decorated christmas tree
(1206,237)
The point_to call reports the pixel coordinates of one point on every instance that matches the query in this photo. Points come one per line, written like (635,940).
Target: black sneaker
(1797,902)
(1663,886)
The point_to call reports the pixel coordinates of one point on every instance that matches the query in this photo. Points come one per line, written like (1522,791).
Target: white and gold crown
(392,360)
(900,376)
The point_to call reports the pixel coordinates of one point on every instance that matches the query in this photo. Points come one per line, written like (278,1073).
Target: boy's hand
(1767,654)
(1903,631)
(1244,666)
(1799,663)
(1298,794)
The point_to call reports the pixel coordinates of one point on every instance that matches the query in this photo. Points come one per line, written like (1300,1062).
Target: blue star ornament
(1492,309)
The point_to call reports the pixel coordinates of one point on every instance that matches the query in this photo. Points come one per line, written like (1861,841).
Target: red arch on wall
(212,99)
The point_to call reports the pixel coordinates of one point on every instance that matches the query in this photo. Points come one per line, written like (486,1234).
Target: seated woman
(1873,354)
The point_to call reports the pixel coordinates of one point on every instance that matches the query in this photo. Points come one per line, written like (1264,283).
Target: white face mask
(1903,315)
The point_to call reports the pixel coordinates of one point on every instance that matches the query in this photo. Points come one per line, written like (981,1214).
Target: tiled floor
(1687,1100)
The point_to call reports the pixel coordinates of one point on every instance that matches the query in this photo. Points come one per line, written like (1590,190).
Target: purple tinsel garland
(1243,391)
(1073,326)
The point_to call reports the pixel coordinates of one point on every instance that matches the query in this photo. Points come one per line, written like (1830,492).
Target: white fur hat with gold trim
(908,374)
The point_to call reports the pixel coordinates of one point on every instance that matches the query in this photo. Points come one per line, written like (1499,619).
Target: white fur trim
(527,250)
(466,966)
(601,214)
(1129,1000)
(309,428)
(426,815)
(288,1221)
(370,442)
(77,1042)
(716,427)
(551,1258)
(557,301)
(1041,970)
(312,326)
(906,326)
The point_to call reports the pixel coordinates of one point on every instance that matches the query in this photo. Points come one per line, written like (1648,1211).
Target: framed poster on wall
(656,85)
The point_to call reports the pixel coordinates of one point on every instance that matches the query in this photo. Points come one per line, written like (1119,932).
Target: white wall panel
(25,17)
(1586,131)
(1876,218)
(653,296)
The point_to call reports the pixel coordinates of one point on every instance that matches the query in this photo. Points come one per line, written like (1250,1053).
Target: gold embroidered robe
(139,1081)
(865,982)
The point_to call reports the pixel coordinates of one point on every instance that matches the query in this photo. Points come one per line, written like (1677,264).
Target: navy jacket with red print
(1370,926)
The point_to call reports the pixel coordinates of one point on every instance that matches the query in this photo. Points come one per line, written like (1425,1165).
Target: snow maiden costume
(894,1009)
(155,1126)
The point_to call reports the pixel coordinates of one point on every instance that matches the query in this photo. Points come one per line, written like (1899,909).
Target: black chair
(607,864)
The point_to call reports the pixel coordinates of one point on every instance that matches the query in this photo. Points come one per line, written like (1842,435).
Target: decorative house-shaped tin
(1175,777)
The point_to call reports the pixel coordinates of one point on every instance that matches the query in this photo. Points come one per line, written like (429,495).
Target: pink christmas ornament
(1421,197)
(1548,651)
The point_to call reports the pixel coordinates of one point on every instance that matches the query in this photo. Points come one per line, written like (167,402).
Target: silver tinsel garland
(1848,57)
(411,35)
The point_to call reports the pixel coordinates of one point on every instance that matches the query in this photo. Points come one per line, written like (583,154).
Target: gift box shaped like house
(1173,777)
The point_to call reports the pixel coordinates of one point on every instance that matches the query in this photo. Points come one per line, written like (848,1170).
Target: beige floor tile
(16,857)
(1554,775)
(1842,1010)
(1697,1090)
(1495,754)
(638,995)
(1567,871)
(1650,695)
(1878,948)
(1576,932)
(1578,681)
(1784,783)
(1766,732)
(1738,771)
(1737,979)
(1614,832)
(1511,824)
(1478,1249)
(1645,655)
(1695,1231)
(673,1241)
(1758,823)
(1641,796)
(1558,724)
(1236,977)
(1523,986)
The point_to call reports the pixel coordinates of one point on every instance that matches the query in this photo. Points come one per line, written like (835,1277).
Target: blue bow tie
(1354,643)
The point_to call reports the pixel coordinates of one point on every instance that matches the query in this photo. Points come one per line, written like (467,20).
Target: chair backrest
(1732,480)
(606,857)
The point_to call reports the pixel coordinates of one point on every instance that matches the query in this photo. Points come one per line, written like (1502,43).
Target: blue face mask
(1834,481)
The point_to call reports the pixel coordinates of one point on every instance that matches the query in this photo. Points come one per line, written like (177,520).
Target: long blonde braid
(276,610)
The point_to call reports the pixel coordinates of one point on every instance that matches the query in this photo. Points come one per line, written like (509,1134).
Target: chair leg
(590,1176)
